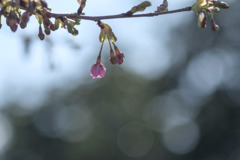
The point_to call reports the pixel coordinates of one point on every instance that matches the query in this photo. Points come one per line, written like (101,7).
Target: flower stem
(100,53)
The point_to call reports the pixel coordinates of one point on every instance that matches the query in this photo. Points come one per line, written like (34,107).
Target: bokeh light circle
(135,139)
(182,139)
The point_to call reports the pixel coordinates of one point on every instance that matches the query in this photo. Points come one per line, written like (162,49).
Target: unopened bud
(220,4)
(44,4)
(40,34)
(69,28)
(25,17)
(47,30)
(46,21)
(52,27)
(31,6)
(23,25)
(12,21)
(80,9)
(75,32)
(13,27)
(202,19)
(214,26)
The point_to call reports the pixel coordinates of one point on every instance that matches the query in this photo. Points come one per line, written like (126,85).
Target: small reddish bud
(25,17)
(41,35)
(12,21)
(214,26)
(119,55)
(13,27)
(46,21)
(47,30)
(120,58)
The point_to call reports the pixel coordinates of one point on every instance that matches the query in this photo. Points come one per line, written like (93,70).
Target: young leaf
(141,7)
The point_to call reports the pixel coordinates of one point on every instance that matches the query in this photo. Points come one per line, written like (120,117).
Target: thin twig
(123,15)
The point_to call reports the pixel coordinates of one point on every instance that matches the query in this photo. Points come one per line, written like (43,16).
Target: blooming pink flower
(98,70)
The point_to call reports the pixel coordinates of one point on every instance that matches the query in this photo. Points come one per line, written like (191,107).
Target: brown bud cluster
(69,24)
(11,10)
(206,8)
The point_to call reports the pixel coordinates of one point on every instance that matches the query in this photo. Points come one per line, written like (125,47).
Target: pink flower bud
(98,70)
(120,58)
(119,55)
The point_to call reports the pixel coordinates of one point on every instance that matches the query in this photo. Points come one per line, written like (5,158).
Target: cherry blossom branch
(14,18)
(123,15)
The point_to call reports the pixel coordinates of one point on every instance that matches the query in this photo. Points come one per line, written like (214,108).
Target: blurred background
(175,97)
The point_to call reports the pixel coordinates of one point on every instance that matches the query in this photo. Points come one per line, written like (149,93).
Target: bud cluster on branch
(208,7)
(49,21)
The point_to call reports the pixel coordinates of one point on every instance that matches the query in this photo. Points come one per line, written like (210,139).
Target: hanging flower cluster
(98,70)
(208,7)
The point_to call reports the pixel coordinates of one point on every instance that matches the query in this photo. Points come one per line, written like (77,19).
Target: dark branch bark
(123,15)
